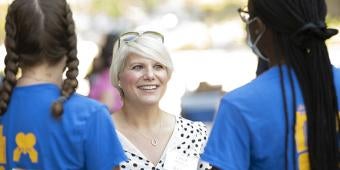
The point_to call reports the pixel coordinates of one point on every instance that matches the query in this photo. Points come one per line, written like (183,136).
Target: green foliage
(222,10)
(110,7)
(333,8)
(150,4)
(115,8)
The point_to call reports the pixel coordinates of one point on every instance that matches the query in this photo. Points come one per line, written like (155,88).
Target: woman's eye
(159,67)
(137,67)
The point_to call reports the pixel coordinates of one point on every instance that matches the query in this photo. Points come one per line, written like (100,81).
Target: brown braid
(11,62)
(70,84)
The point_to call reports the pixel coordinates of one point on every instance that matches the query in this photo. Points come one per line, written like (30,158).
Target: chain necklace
(153,140)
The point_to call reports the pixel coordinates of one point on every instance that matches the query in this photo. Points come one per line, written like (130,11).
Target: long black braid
(300,28)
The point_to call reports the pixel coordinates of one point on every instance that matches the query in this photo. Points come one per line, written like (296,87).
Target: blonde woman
(152,138)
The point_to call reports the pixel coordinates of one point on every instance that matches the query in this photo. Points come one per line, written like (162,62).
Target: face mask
(251,44)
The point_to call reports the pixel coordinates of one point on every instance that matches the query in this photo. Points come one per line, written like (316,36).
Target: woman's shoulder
(188,122)
(192,127)
(192,136)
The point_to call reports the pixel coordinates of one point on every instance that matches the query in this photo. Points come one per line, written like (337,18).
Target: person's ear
(259,27)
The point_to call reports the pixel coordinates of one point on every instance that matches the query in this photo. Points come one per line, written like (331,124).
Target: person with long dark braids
(287,118)
(44,124)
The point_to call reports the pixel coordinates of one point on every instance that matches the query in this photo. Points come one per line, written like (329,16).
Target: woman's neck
(144,117)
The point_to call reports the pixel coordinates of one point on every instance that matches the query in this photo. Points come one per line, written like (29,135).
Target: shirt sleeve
(103,150)
(228,145)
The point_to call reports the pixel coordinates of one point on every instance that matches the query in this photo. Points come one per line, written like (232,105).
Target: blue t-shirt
(82,138)
(249,130)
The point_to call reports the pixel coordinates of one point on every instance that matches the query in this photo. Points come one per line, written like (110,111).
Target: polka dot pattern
(187,140)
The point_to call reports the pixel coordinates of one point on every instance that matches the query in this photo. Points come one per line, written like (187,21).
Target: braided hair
(39,31)
(300,32)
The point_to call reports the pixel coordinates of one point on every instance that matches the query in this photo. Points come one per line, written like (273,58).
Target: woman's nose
(149,74)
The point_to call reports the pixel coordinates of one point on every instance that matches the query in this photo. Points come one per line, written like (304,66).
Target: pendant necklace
(153,140)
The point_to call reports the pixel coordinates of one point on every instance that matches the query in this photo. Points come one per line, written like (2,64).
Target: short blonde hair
(145,46)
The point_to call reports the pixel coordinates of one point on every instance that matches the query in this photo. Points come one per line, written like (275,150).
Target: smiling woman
(143,80)
(152,139)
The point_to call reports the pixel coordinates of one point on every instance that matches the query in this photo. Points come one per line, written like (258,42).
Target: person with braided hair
(288,117)
(44,123)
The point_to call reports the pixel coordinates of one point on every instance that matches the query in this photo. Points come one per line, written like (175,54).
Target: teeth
(148,87)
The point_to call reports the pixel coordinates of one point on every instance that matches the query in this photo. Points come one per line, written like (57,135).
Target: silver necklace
(153,140)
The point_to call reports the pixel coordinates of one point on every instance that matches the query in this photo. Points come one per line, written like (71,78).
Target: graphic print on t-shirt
(25,145)
(301,138)
(2,147)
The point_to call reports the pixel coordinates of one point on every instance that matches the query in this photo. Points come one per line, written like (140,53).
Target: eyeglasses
(244,14)
(133,36)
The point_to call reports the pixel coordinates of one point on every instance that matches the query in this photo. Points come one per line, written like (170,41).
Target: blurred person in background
(101,88)
(44,124)
(288,117)
(152,138)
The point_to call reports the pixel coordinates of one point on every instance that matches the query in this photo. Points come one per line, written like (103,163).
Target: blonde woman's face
(143,80)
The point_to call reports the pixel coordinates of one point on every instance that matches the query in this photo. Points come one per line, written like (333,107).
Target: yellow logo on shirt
(25,145)
(2,147)
(301,138)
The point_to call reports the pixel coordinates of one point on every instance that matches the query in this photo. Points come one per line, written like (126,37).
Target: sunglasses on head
(133,36)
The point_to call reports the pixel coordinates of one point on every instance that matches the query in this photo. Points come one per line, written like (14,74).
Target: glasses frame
(138,35)
(244,14)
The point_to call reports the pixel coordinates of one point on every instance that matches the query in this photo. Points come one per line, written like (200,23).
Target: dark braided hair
(39,31)
(71,83)
(300,32)
(11,62)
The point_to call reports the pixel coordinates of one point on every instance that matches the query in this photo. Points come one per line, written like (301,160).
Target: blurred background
(206,40)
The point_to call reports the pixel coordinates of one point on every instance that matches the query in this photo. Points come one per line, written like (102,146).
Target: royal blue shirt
(82,138)
(249,130)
